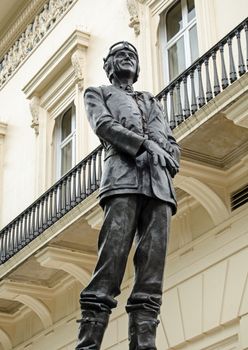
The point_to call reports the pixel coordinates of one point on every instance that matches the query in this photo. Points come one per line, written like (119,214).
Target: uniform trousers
(128,217)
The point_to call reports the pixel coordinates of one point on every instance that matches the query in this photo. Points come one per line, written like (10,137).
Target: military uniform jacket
(118,121)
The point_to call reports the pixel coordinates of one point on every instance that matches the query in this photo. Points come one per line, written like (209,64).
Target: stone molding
(134,23)
(222,163)
(77,43)
(58,227)
(16,27)
(27,295)
(68,261)
(5,340)
(219,104)
(238,113)
(78,63)
(95,218)
(3,129)
(52,12)
(34,106)
(44,90)
(204,195)
(243,332)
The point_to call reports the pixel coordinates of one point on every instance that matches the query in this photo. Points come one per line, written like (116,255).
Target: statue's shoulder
(147,95)
(92,89)
(100,90)
(151,99)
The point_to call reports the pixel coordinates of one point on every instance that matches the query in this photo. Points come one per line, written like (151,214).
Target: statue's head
(122,58)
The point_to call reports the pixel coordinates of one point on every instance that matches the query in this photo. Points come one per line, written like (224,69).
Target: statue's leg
(142,330)
(91,329)
(115,241)
(145,300)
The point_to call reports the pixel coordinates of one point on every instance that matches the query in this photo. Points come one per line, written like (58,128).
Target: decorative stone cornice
(134,16)
(44,90)
(77,41)
(35,32)
(12,31)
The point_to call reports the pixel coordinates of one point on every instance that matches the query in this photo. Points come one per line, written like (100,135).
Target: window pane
(66,158)
(191,9)
(193,43)
(176,58)
(174,21)
(66,124)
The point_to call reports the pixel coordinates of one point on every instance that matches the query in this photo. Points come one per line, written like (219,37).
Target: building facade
(194,58)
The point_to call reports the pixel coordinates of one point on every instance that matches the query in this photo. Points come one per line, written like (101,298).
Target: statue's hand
(160,156)
(168,148)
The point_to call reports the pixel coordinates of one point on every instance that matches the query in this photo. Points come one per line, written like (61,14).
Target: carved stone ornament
(78,63)
(51,13)
(3,129)
(34,106)
(134,16)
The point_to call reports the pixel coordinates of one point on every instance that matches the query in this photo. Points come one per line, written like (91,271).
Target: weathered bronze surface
(138,199)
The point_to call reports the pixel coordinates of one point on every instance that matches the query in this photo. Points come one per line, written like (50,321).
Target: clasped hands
(162,156)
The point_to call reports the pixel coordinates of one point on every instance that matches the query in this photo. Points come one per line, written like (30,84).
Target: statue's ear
(108,67)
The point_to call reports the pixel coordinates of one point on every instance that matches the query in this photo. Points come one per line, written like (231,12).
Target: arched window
(66,141)
(179,38)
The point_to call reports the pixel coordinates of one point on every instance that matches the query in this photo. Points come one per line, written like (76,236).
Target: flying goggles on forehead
(121,45)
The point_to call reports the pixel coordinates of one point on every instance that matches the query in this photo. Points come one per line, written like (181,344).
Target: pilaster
(243,334)
(3,131)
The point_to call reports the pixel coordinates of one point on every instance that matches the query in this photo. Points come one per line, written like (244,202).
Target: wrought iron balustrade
(84,178)
(65,194)
(207,76)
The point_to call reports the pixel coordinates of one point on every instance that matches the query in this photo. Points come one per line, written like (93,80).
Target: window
(55,96)
(65,134)
(179,38)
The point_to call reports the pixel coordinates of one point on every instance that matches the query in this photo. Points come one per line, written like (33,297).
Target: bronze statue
(138,199)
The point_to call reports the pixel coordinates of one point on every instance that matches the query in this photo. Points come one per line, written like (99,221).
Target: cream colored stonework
(59,83)
(3,131)
(30,38)
(205,292)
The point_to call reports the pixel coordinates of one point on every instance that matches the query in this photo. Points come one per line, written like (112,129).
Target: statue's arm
(106,127)
(176,153)
(172,144)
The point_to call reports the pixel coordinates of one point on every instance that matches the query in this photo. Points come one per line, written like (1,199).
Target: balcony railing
(207,76)
(65,194)
(84,178)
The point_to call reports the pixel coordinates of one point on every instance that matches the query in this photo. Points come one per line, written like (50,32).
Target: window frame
(60,144)
(183,33)
(59,83)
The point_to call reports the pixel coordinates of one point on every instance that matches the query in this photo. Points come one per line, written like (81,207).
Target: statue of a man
(138,199)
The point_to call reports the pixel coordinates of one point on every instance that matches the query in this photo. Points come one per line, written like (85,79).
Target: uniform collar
(124,87)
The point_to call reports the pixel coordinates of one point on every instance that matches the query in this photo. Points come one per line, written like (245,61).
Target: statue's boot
(142,330)
(91,330)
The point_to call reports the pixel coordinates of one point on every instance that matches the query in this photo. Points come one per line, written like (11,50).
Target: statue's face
(125,61)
